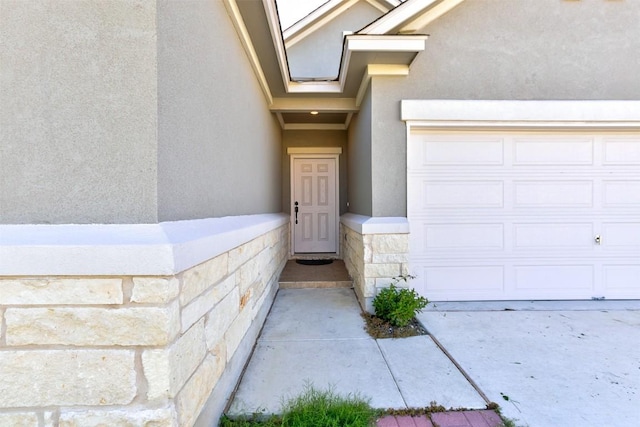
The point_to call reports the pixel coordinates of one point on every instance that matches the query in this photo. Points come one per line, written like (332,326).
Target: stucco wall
(219,149)
(313,138)
(318,55)
(78,104)
(359,159)
(502,49)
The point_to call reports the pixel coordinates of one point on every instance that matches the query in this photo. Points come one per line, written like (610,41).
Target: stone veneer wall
(374,250)
(134,350)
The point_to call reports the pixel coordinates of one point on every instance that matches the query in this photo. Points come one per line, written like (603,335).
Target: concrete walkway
(560,364)
(316,336)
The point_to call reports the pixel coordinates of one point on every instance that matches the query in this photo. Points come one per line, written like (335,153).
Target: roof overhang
(410,17)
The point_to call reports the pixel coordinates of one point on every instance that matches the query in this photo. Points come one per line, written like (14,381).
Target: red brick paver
(405,421)
(484,418)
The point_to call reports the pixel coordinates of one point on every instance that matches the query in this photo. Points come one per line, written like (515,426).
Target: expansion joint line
(462,371)
(391,372)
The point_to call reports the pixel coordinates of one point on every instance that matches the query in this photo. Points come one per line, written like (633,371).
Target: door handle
(598,239)
(296,211)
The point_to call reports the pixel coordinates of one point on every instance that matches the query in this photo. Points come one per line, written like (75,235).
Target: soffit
(262,33)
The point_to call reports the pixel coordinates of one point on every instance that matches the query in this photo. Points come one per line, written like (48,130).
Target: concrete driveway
(548,364)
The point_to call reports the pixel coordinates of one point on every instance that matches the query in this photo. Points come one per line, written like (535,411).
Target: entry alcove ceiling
(335,100)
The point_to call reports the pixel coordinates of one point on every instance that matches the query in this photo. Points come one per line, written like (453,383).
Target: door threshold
(315,255)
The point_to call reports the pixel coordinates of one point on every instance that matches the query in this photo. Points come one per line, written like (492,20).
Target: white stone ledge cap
(160,249)
(376,225)
(582,112)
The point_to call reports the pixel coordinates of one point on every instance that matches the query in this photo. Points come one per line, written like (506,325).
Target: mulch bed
(378,328)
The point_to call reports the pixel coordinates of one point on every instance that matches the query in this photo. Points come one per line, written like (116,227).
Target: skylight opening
(292,11)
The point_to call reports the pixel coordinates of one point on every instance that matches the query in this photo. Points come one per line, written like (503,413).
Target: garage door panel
(621,235)
(554,277)
(622,277)
(462,153)
(621,193)
(462,236)
(546,194)
(550,236)
(472,278)
(462,194)
(621,151)
(546,151)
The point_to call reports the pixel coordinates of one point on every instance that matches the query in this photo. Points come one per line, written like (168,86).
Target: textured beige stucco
(359,160)
(77,111)
(505,49)
(218,144)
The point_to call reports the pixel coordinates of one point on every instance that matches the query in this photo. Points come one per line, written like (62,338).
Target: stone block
(36,378)
(220,318)
(390,243)
(252,271)
(82,326)
(197,279)
(134,417)
(167,370)
(195,393)
(237,331)
(366,253)
(369,287)
(206,302)
(154,290)
(243,253)
(19,419)
(60,291)
(390,258)
(381,270)
(50,419)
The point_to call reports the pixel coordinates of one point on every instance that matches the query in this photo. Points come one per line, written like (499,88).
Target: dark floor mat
(314,261)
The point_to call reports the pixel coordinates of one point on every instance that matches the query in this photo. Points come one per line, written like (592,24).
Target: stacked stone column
(373,255)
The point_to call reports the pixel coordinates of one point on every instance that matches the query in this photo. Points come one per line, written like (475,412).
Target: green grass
(315,408)
(325,408)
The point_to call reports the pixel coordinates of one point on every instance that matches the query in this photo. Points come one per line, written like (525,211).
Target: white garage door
(529,215)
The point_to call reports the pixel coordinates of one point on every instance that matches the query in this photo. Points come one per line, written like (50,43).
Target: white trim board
(241,29)
(460,113)
(314,150)
(125,249)
(375,225)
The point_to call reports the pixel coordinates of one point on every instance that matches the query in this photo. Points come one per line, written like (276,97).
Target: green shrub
(398,305)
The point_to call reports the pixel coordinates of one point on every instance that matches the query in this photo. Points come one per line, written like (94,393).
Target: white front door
(314,214)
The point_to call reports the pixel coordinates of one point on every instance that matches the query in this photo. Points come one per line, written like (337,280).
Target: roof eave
(410,17)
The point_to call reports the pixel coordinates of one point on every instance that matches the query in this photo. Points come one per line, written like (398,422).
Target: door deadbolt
(597,239)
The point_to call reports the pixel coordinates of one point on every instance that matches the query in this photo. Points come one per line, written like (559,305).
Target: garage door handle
(598,240)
